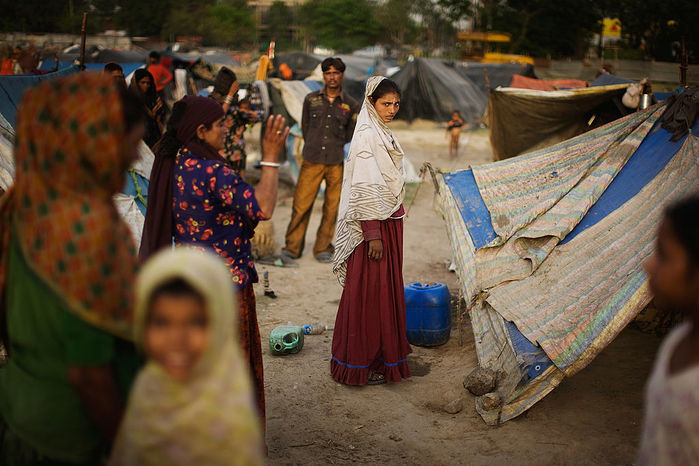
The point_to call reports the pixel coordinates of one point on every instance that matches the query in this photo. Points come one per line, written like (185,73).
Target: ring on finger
(278,133)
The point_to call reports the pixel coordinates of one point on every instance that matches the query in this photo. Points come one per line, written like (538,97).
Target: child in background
(192,403)
(671,425)
(454,131)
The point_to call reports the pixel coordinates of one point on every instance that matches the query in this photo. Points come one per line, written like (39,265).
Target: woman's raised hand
(275,138)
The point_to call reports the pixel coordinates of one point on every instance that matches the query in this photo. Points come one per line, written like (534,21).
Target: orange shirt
(161,76)
(6,67)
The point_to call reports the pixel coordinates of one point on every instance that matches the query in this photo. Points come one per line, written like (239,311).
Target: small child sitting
(193,402)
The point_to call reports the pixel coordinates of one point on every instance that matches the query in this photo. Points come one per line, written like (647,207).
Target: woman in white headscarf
(369,341)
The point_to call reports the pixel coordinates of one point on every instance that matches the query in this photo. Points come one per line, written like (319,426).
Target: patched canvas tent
(548,248)
(523,120)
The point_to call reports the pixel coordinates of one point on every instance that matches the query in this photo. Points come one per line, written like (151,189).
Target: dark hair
(154,54)
(149,98)
(111,66)
(224,79)
(132,108)
(386,86)
(177,287)
(683,217)
(333,61)
(168,144)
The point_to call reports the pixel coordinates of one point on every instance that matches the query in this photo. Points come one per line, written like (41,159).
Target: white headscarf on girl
(373,184)
(211,417)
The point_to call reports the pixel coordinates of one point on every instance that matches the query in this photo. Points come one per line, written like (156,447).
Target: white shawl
(373,184)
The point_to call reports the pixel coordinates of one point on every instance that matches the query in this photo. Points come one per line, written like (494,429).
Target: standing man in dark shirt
(329,116)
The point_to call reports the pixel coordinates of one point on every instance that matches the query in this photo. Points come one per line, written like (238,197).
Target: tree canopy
(557,28)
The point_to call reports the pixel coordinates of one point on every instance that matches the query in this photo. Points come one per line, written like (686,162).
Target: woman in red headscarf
(67,266)
(196,199)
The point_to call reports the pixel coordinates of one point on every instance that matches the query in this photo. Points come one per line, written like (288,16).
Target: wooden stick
(683,64)
(83,38)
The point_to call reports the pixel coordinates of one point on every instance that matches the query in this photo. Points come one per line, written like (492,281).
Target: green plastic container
(286,339)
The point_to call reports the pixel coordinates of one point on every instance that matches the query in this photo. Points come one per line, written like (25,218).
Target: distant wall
(656,72)
(64,40)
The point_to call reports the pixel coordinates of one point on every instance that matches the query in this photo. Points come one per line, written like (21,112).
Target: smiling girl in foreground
(671,427)
(192,403)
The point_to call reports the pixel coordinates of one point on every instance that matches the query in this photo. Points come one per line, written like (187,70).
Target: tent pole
(683,64)
(83,37)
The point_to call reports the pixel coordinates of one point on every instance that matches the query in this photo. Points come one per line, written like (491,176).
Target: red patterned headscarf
(70,159)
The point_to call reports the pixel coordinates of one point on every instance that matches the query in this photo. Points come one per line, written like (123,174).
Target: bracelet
(270,164)
(228,100)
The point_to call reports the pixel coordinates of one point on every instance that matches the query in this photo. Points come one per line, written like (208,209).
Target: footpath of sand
(592,418)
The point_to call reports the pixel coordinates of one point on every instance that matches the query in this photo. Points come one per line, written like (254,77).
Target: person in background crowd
(328,120)
(454,132)
(67,269)
(29,62)
(238,115)
(6,54)
(143,87)
(370,345)
(160,74)
(671,424)
(116,72)
(192,403)
(196,197)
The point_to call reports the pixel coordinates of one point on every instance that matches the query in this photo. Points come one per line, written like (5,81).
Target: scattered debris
(454,406)
(491,401)
(480,381)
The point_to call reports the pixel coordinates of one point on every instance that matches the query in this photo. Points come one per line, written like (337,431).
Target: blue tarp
(127,67)
(608,79)
(648,160)
(12,89)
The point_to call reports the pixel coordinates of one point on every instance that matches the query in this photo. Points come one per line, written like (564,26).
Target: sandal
(376,378)
(277,261)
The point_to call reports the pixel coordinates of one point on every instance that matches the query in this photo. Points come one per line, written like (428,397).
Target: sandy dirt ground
(591,418)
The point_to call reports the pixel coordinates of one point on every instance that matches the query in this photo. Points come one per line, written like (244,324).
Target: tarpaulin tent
(523,82)
(128,68)
(130,202)
(12,88)
(523,120)
(301,63)
(548,249)
(498,74)
(432,90)
(97,54)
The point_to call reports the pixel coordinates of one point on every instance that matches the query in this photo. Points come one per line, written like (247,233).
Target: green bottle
(286,339)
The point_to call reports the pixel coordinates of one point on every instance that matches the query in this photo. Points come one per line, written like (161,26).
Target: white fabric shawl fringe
(373,183)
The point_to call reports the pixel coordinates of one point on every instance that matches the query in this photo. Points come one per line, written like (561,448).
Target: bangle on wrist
(228,100)
(270,164)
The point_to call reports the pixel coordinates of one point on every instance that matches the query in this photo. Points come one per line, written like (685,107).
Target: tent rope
(139,193)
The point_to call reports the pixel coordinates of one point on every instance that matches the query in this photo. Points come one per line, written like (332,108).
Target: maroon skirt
(370,328)
(251,344)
